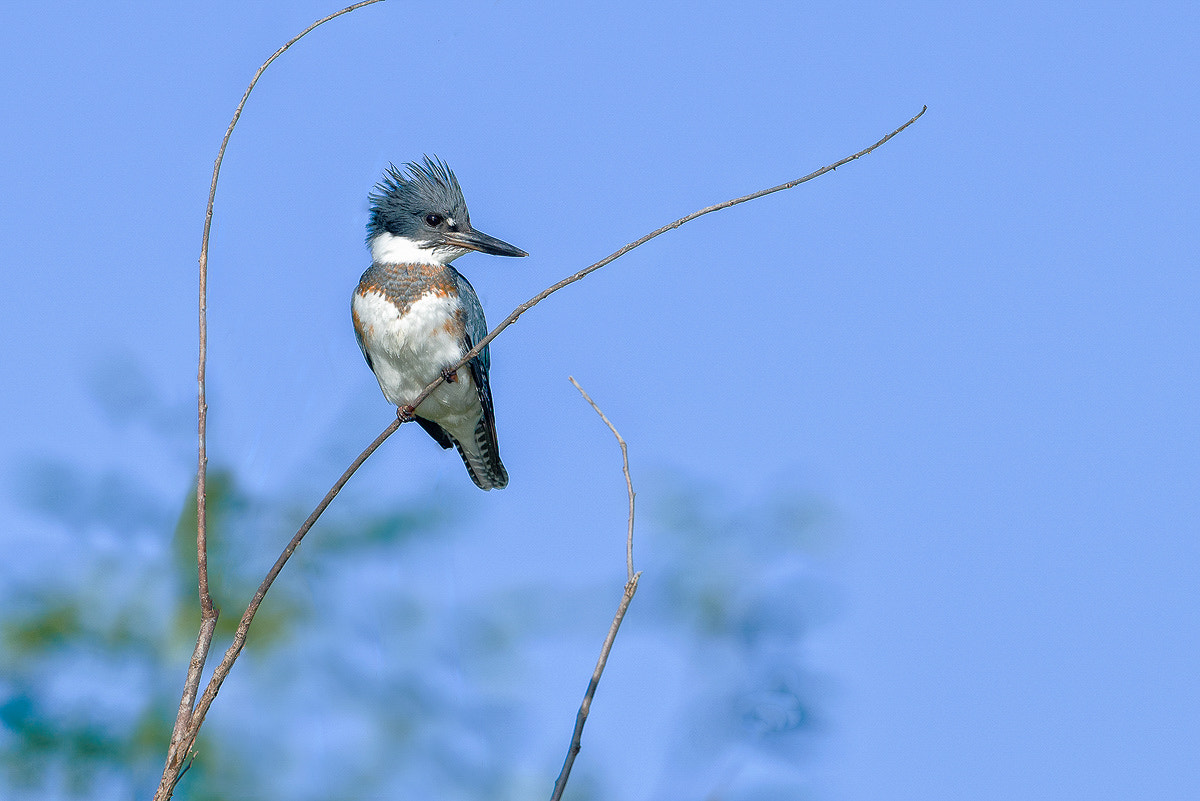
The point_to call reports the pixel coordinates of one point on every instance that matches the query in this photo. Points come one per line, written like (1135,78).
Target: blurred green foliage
(357,684)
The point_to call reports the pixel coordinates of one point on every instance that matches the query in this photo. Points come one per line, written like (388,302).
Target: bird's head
(419,215)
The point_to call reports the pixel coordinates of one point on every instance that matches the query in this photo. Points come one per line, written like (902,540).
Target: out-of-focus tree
(423,699)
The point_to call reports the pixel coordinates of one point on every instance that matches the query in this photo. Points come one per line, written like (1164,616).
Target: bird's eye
(433,219)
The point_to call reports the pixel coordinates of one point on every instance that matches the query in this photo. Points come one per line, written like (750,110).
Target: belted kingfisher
(415,316)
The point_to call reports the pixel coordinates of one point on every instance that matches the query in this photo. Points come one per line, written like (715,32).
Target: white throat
(391,249)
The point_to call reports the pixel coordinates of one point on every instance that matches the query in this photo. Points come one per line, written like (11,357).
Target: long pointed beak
(478,240)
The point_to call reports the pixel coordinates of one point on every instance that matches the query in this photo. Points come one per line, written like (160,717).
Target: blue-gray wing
(490,473)
(476,324)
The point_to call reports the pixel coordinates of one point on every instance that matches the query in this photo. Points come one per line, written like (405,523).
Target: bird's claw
(406,413)
(451,376)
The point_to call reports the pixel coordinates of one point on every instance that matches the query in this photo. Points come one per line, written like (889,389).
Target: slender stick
(624,467)
(591,268)
(239,637)
(573,750)
(630,588)
(177,752)
(184,736)
(632,580)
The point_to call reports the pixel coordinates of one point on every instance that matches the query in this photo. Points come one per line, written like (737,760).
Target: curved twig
(190,719)
(591,268)
(239,638)
(630,588)
(181,743)
(624,468)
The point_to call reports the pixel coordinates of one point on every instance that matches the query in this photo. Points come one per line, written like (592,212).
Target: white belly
(409,352)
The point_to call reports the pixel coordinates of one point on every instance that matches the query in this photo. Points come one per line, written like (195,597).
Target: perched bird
(415,316)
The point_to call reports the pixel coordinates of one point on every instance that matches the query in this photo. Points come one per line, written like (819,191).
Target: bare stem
(190,719)
(591,268)
(239,637)
(624,467)
(184,720)
(630,588)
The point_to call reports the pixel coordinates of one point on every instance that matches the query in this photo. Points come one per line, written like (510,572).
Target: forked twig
(630,588)
(183,733)
(192,712)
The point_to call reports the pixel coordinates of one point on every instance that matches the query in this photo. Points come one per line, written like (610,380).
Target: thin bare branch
(591,268)
(239,637)
(624,467)
(191,686)
(177,752)
(188,736)
(632,581)
(630,588)
(185,735)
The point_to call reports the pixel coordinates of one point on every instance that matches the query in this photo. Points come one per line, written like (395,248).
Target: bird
(415,316)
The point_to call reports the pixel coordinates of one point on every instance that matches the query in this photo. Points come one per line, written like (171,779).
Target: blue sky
(978,346)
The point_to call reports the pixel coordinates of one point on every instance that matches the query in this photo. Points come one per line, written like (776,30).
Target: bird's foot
(451,376)
(406,413)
